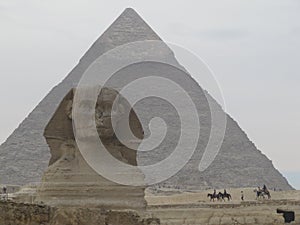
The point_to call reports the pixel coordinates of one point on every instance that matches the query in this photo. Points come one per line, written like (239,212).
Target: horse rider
(265,188)
(258,188)
(4,189)
(225,192)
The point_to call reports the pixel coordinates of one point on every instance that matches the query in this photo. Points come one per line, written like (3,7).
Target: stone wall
(32,214)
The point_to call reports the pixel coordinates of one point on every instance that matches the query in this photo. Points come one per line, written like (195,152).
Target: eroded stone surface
(33,214)
(69,180)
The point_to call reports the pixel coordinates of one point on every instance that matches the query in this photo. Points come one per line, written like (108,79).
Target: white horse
(262,194)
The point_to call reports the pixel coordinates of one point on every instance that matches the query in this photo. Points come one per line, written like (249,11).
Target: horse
(262,194)
(213,196)
(222,196)
(225,195)
(266,192)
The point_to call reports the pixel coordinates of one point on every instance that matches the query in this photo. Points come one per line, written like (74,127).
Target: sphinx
(69,180)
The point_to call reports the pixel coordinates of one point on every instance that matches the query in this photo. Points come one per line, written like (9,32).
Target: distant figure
(242,195)
(4,190)
(213,196)
(265,188)
(262,192)
(225,195)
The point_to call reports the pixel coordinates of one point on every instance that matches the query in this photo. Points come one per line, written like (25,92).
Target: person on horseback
(225,192)
(4,189)
(265,188)
(213,196)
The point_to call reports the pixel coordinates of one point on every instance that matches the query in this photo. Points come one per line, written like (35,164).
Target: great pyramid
(25,155)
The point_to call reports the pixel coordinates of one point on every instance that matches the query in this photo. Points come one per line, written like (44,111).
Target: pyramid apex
(129,9)
(128,27)
(131,16)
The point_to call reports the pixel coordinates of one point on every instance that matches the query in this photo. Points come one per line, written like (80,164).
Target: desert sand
(166,207)
(173,207)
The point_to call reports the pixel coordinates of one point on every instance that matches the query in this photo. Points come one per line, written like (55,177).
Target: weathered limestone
(12,213)
(69,180)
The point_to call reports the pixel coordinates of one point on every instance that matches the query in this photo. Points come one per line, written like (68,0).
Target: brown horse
(213,196)
(225,195)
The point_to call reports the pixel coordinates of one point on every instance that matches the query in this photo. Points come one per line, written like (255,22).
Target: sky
(252,46)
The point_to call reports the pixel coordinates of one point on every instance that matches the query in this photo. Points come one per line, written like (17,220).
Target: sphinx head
(103,112)
(107,116)
(99,119)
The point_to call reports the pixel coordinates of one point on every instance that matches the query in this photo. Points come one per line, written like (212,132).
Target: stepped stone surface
(27,144)
(239,163)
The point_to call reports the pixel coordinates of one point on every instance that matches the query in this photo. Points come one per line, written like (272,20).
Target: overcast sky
(253,47)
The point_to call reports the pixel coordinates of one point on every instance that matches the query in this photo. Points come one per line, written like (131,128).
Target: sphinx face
(97,120)
(105,116)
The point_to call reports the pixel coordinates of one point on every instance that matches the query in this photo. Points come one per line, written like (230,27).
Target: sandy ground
(174,207)
(173,197)
(194,208)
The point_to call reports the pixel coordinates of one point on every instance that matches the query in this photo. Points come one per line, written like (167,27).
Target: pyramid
(25,155)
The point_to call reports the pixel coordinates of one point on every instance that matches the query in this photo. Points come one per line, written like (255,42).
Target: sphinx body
(69,180)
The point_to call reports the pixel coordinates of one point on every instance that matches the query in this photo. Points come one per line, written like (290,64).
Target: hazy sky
(253,47)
